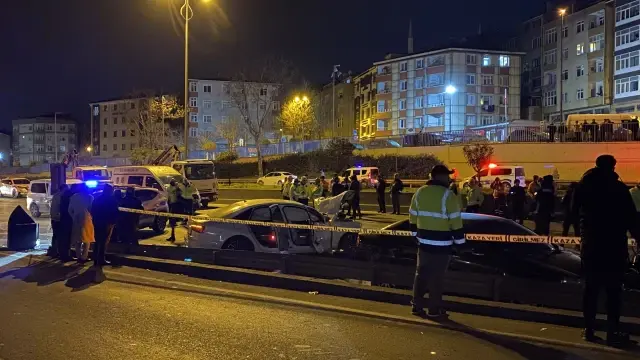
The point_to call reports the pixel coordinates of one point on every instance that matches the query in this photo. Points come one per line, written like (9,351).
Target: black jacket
(336,188)
(104,211)
(382,186)
(397,186)
(355,187)
(606,212)
(545,198)
(517,196)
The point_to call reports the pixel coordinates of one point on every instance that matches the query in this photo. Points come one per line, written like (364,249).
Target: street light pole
(187,14)
(562,12)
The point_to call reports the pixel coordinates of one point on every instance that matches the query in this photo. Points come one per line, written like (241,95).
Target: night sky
(59,55)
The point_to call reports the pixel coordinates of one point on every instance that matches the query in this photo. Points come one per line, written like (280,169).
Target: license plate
(204,197)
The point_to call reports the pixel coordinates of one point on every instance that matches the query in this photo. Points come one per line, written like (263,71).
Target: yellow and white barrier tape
(525,239)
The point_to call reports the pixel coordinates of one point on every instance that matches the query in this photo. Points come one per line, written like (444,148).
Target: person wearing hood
(606,211)
(545,198)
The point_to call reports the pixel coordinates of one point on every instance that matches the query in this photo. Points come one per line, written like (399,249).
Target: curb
(210,290)
(327,287)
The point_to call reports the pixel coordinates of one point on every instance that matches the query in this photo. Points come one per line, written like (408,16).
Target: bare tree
(256,95)
(229,130)
(155,124)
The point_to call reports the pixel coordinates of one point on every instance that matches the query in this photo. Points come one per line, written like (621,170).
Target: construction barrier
(525,239)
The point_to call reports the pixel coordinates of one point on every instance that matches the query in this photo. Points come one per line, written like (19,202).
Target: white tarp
(329,205)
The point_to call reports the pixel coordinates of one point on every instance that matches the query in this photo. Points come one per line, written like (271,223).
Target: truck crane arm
(170,154)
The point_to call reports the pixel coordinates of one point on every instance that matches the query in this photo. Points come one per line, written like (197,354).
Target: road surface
(53,312)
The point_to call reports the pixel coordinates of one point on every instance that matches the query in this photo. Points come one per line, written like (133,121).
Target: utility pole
(187,15)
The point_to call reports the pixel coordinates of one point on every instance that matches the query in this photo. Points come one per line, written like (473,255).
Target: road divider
(525,239)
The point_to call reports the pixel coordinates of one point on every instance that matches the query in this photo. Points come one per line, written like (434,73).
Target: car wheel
(260,182)
(14,194)
(348,244)
(238,243)
(159,224)
(34,210)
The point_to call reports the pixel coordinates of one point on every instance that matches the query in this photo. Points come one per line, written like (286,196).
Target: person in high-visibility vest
(173,196)
(187,191)
(436,221)
(302,191)
(286,188)
(316,191)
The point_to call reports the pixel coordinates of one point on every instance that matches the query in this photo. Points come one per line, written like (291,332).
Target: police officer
(436,221)
(302,191)
(286,188)
(293,190)
(606,212)
(187,190)
(174,193)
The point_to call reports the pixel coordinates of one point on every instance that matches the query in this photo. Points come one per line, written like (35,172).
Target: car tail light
(199,228)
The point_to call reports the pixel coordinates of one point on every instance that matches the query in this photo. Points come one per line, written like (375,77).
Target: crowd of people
(78,219)
(594,131)
(599,207)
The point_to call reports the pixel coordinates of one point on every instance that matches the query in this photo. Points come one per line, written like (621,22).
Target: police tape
(524,239)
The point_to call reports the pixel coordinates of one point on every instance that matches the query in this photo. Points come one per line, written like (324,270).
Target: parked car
(275,178)
(14,187)
(152,200)
(540,261)
(39,196)
(229,236)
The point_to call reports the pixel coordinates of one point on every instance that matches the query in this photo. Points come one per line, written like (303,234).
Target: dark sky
(58,55)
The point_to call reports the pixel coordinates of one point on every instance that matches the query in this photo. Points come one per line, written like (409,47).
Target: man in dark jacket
(517,198)
(606,212)
(569,218)
(380,188)
(336,187)
(396,189)
(104,212)
(127,224)
(545,198)
(355,187)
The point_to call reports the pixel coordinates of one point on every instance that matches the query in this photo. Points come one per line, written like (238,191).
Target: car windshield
(199,171)
(166,179)
(21,181)
(98,174)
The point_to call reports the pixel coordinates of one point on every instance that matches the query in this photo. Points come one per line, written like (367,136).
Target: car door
(322,239)
(301,239)
(265,236)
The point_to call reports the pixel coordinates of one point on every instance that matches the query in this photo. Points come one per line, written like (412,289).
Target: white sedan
(275,178)
(14,187)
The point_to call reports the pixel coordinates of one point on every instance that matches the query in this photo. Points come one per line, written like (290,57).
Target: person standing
(396,189)
(336,187)
(128,222)
(516,199)
(498,196)
(302,191)
(355,187)
(187,192)
(545,198)
(173,193)
(569,218)
(316,191)
(104,212)
(475,197)
(436,221)
(285,187)
(532,190)
(293,190)
(606,212)
(56,216)
(82,233)
(325,186)
(66,224)
(380,191)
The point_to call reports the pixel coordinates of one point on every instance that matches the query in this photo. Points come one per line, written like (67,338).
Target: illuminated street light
(305,99)
(297,99)
(450,89)
(562,11)
(89,149)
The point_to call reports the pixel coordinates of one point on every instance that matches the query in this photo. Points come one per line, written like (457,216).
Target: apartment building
(210,103)
(112,135)
(344,109)
(447,89)
(35,139)
(627,56)
(577,62)
(364,103)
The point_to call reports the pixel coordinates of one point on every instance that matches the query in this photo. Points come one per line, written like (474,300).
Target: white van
(507,175)
(157,177)
(368,175)
(39,196)
(201,173)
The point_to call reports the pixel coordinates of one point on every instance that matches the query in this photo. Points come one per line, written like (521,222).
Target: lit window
(504,61)
(580,49)
(486,60)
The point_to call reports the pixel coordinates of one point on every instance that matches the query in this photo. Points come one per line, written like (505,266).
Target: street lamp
(562,13)
(302,101)
(187,13)
(89,149)
(450,89)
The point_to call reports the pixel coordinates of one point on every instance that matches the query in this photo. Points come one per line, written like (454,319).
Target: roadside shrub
(227,156)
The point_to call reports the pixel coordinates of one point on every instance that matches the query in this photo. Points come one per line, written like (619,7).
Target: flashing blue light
(359,166)
(91,183)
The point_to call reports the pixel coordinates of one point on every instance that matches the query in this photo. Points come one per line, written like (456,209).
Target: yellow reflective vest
(635,195)
(435,217)
(173,192)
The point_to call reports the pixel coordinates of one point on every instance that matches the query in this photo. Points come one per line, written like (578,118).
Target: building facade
(627,56)
(344,110)
(111,133)
(211,103)
(364,103)
(448,89)
(43,139)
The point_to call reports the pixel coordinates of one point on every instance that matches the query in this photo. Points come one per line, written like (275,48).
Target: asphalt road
(54,312)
